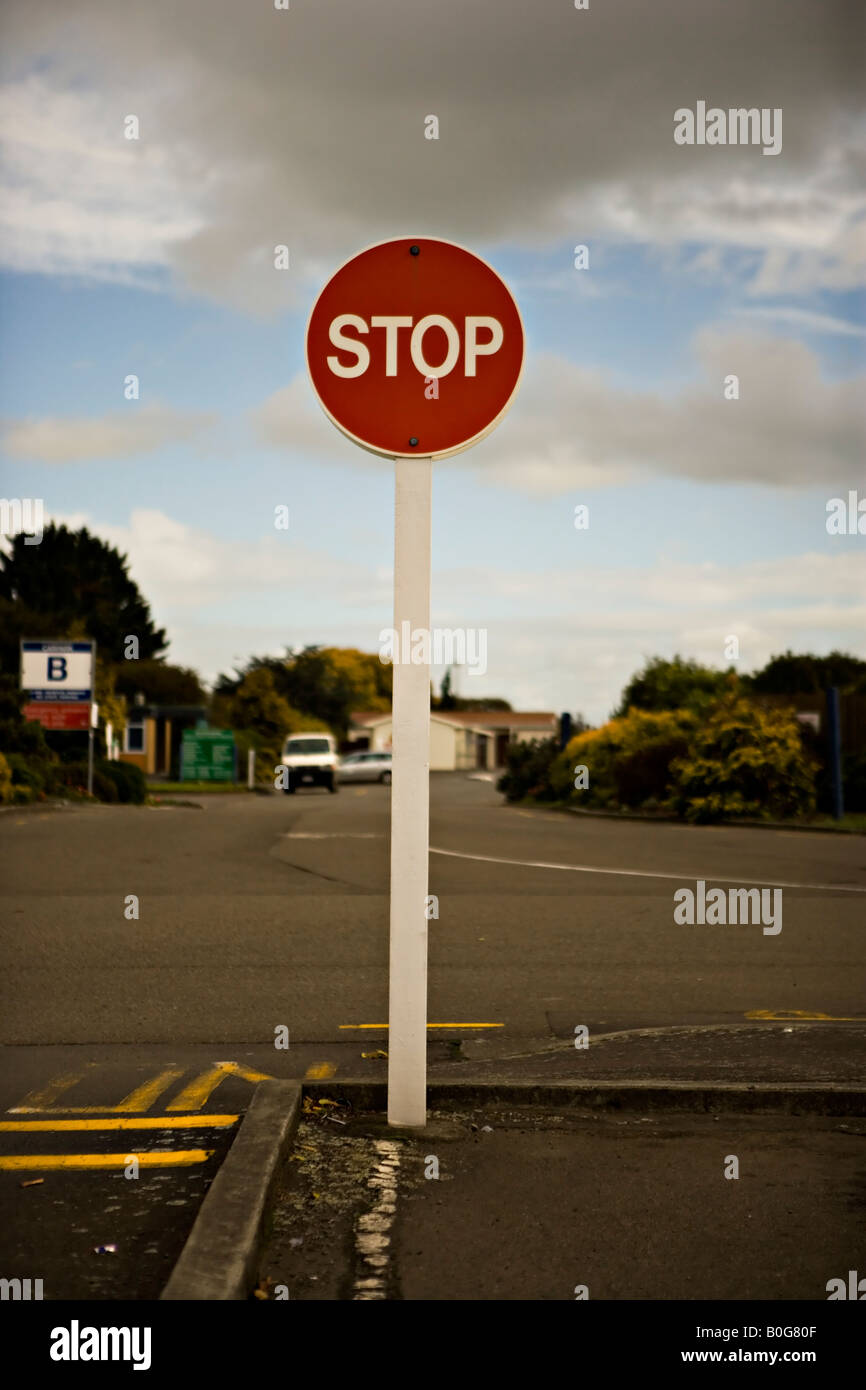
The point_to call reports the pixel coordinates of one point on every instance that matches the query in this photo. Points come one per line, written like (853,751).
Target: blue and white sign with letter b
(58,670)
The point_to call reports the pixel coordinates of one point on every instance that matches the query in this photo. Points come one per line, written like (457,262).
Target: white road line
(373,1229)
(645,873)
(332,835)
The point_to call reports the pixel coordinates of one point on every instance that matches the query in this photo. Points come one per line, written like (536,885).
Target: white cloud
(306,126)
(181,567)
(79,197)
(123,434)
(571,426)
(805,319)
(577,636)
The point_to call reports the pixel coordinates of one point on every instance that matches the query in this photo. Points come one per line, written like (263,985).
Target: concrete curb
(678,820)
(220,1258)
(786,1098)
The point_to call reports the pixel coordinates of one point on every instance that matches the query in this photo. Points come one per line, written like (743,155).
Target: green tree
(258,707)
(261,719)
(674,684)
(325,683)
(72,584)
(805,674)
(447,701)
(160,683)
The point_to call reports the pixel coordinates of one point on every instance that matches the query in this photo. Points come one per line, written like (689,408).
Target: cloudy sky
(306,127)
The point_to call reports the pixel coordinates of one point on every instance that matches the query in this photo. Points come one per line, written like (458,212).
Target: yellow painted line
(804,1016)
(142,1098)
(319,1071)
(139,1122)
(194,1095)
(45,1098)
(173,1158)
(353,1026)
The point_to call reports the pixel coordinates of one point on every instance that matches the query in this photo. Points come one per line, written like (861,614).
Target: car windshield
(308,745)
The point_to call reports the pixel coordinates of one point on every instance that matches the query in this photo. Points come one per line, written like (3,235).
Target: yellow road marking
(173,1158)
(319,1071)
(44,1098)
(142,1098)
(194,1095)
(353,1026)
(786,1015)
(139,1122)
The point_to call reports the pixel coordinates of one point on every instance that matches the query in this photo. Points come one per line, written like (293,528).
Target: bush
(527,770)
(6,793)
(854,781)
(628,760)
(268,753)
(644,776)
(129,781)
(745,762)
(28,775)
(72,778)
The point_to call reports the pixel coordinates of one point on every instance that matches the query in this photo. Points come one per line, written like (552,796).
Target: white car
(365,767)
(310,760)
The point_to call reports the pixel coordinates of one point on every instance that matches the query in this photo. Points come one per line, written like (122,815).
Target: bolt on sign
(390,322)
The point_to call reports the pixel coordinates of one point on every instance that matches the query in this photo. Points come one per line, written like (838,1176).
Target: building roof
(170,711)
(501,718)
(475,718)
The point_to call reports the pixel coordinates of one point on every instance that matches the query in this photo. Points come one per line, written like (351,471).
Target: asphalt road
(257,913)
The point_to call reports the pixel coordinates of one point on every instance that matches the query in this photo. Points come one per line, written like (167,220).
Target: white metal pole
(410,803)
(251,768)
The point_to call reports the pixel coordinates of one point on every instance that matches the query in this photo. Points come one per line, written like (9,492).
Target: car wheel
(290,789)
(332,785)
(385,779)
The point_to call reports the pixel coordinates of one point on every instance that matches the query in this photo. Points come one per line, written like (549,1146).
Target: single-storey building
(152,737)
(460,740)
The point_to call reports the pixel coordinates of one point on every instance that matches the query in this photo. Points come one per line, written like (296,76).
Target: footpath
(709,1163)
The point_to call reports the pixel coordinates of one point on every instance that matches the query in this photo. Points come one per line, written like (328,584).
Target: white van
(310,761)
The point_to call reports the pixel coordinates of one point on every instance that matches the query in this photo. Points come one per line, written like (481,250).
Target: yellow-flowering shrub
(745,761)
(627,760)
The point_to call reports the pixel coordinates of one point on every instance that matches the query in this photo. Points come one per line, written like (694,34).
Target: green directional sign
(207,755)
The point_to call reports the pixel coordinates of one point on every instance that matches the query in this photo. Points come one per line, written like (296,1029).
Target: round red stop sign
(415,348)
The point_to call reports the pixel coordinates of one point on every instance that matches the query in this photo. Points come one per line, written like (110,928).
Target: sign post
(94,720)
(410,801)
(415,350)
